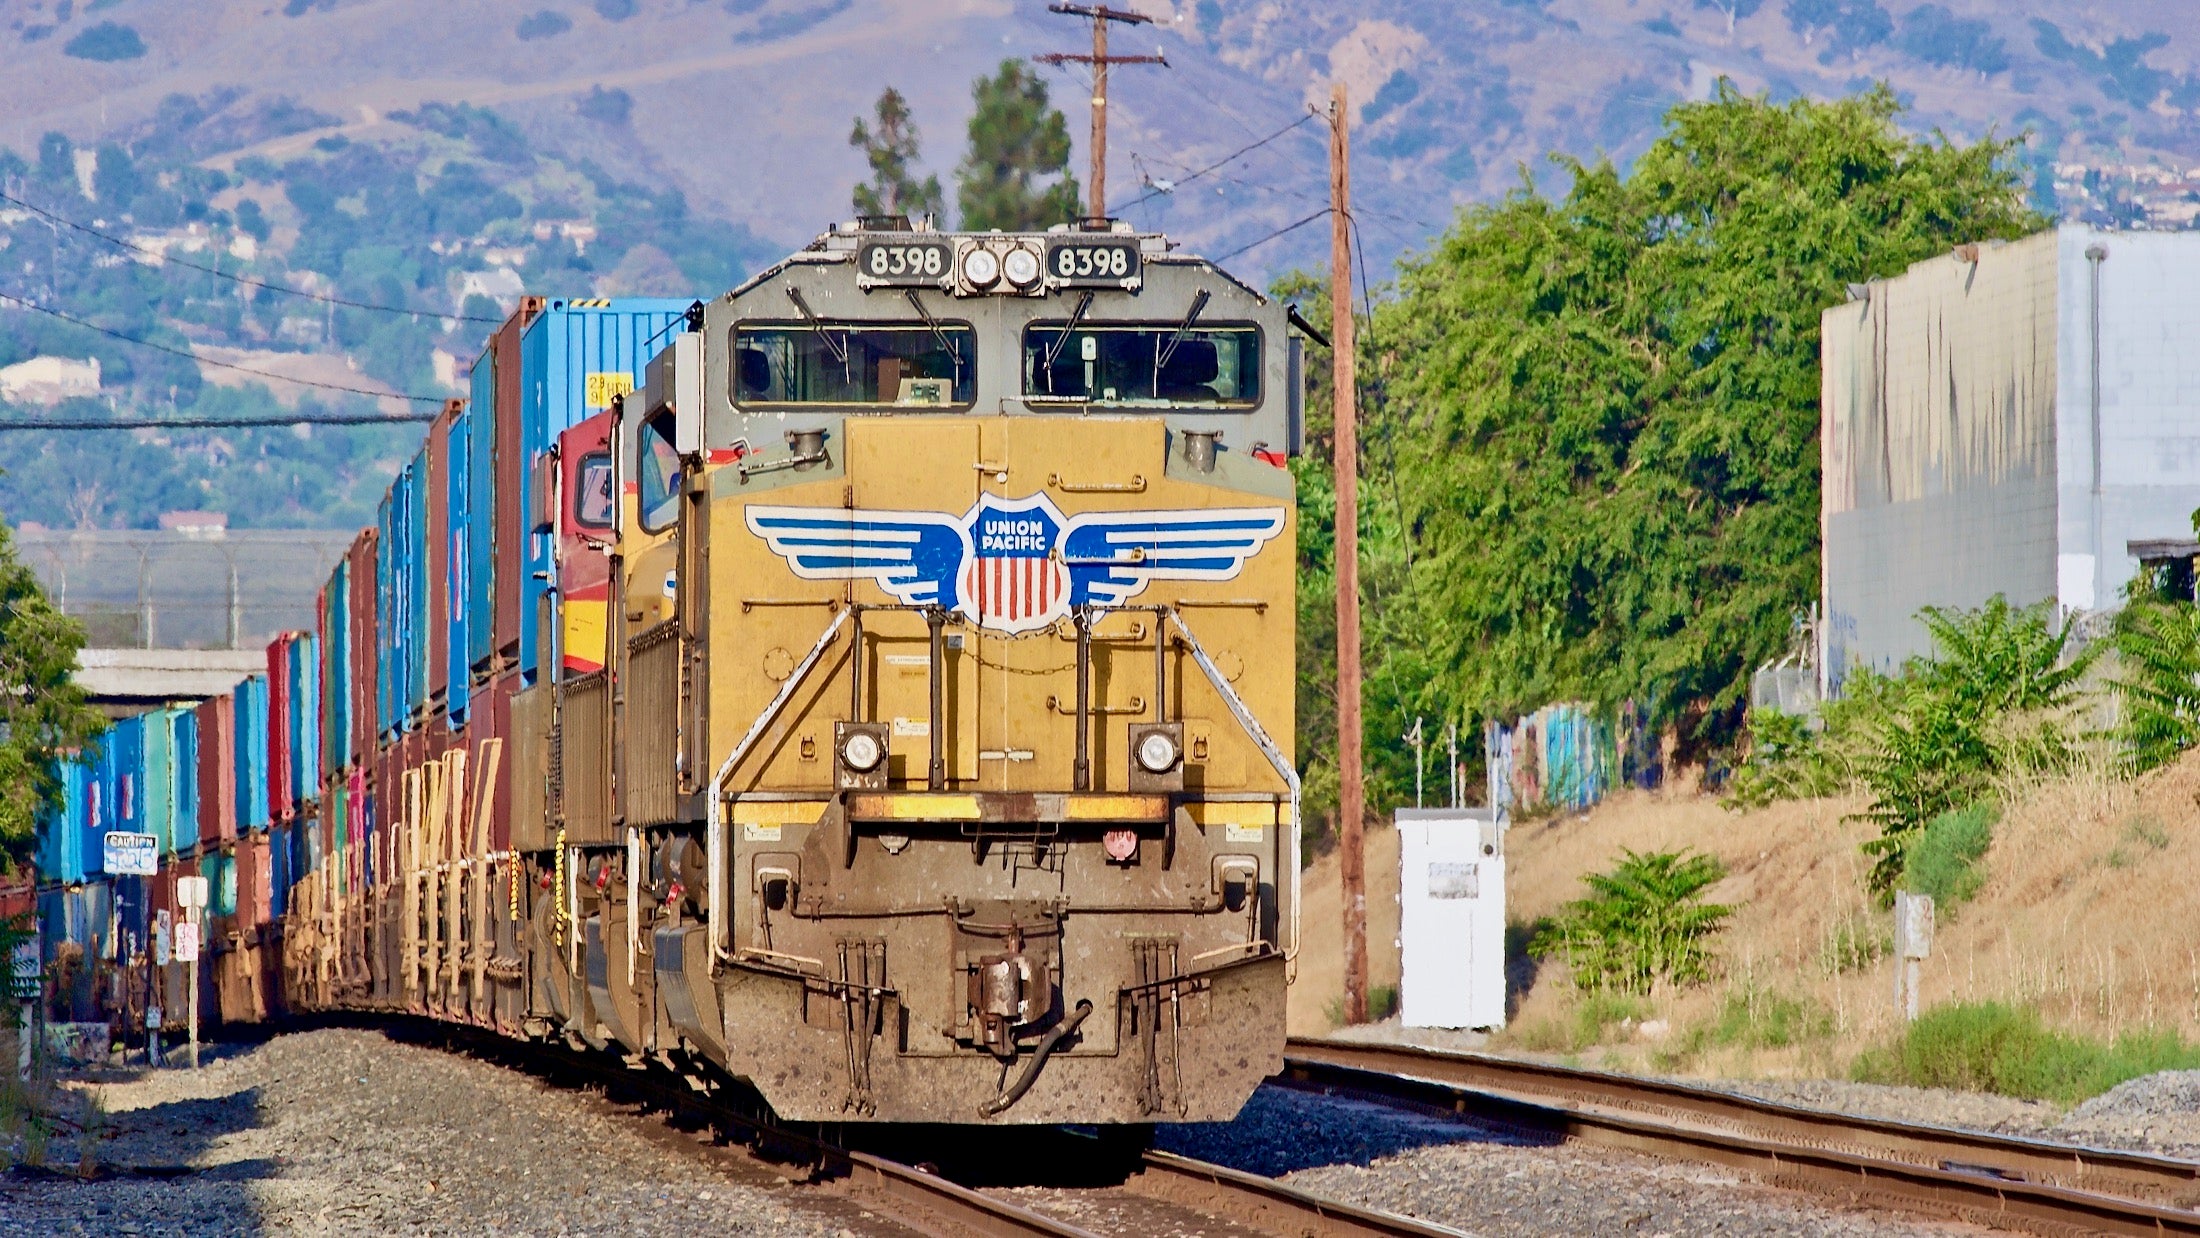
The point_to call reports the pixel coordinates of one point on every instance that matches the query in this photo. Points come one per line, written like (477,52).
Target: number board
(1095,264)
(911,263)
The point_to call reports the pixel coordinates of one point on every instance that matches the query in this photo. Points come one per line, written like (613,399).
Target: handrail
(1267,746)
(716,842)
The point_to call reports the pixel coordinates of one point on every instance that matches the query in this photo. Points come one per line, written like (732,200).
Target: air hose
(1016,1090)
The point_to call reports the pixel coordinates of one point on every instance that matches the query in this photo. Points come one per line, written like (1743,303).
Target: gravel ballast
(349,1131)
(1494,1183)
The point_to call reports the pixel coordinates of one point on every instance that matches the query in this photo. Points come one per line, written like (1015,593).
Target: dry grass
(2091,888)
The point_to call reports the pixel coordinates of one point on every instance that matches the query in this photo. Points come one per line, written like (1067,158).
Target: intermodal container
(495,515)
(575,358)
(248,704)
(255,881)
(383,634)
(61,830)
(335,622)
(160,777)
(435,543)
(305,715)
(183,829)
(281,725)
(458,577)
(280,865)
(417,576)
(217,770)
(361,650)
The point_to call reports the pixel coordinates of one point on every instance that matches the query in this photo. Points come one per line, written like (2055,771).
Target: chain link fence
(145,589)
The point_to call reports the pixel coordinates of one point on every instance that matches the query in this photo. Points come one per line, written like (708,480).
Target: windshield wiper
(1076,316)
(838,345)
(1182,329)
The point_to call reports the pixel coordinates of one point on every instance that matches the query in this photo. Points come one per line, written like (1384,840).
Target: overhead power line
(188,355)
(1290,227)
(204,423)
(1189,177)
(248,281)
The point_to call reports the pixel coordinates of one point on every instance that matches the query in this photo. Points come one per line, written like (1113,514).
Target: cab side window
(658,474)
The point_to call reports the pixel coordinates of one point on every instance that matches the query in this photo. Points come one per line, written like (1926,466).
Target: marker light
(861,751)
(1157,752)
(1022,267)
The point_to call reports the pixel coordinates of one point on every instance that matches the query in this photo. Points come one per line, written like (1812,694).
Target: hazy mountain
(745,105)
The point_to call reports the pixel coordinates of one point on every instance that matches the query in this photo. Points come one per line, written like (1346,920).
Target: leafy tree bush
(1933,34)
(1017,142)
(1644,922)
(105,41)
(891,145)
(2157,646)
(1604,407)
(42,711)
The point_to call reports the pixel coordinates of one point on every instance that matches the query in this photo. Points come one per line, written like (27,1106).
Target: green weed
(1587,1023)
(1645,921)
(1990,1047)
(2141,832)
(1944,859)
(1854,945)
(1382,1002)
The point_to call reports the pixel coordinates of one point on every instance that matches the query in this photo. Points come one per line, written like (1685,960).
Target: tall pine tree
(1017,141)
(889,142)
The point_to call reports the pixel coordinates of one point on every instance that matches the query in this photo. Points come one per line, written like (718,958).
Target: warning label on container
(606,386)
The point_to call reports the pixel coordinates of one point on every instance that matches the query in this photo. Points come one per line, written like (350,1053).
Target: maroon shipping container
(217,770)
(255,889)
(511,467)
(365,728)
(439,555)
(279,739)
(495,722)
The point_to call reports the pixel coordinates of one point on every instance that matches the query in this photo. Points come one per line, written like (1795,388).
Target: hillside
(441,157)
(1803,981)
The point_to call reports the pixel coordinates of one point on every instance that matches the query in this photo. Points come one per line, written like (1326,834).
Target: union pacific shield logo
(1015,565)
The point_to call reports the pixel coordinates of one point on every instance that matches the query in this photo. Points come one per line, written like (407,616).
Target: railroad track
(928,1199)
(2006,1182)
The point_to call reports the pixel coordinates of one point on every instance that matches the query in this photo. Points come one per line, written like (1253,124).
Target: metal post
(936,774)
(1083,773)
(1351,789)
(191,979)
(1420,749)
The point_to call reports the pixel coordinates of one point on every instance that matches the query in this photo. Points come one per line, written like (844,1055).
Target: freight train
(873,685)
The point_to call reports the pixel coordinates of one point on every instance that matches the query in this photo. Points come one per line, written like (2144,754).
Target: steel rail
(2007,1182)
(1265,1203)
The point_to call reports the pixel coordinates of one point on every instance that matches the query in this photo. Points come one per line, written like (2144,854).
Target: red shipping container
(217,770)
(279,739)
(511,466)
(364,683)
(255,905)
(498,717)
(438,574)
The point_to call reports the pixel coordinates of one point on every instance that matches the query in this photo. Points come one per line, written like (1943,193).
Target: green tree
(889,142)
(42,711)
(1607,404)
(1017,141)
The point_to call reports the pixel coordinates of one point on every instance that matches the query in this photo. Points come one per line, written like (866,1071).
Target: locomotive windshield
(1143,365)
(881,365)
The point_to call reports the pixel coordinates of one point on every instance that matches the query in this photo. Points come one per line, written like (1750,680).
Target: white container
(1451,918)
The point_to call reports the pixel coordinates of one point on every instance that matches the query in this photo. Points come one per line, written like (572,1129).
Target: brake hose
(1039,1057)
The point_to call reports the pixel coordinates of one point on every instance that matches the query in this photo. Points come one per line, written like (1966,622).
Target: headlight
(1022,267)
(1157,752)
(861,751)
(981,267)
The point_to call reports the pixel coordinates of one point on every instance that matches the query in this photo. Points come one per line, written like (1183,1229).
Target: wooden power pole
(1351,784)
(1096,190)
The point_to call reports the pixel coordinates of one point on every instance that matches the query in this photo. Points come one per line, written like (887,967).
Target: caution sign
(604,386)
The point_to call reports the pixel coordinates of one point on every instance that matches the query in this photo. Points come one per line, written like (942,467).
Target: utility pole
(1096,190)
(1351,788)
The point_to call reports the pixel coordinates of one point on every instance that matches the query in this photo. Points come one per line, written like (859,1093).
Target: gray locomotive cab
(1073,322)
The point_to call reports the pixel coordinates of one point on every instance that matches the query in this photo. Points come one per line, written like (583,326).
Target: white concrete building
(49,380)
(2008,418)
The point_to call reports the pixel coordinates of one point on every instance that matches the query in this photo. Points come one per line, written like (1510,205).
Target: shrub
(1943,861)
(1588,1023)
(1643,922)
(1754,1019)
(2158,646)
(106,41)
(1854,945)
(1990,1047)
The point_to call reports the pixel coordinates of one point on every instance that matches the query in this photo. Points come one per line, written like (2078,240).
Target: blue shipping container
(457,585)
(251,754)
(480,522)
(336,672)
(574,359)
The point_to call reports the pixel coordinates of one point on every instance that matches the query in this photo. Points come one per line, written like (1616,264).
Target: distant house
(210,526)
(2020,419)
(49,380)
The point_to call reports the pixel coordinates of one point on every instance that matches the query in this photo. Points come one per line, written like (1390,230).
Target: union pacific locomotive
(874,686)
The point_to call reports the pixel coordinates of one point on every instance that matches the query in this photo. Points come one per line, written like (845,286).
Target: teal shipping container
(250,754)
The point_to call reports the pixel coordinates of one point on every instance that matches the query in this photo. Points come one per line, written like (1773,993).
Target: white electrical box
(1451,918)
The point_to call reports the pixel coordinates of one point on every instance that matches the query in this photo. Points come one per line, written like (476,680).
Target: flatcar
(873,684)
